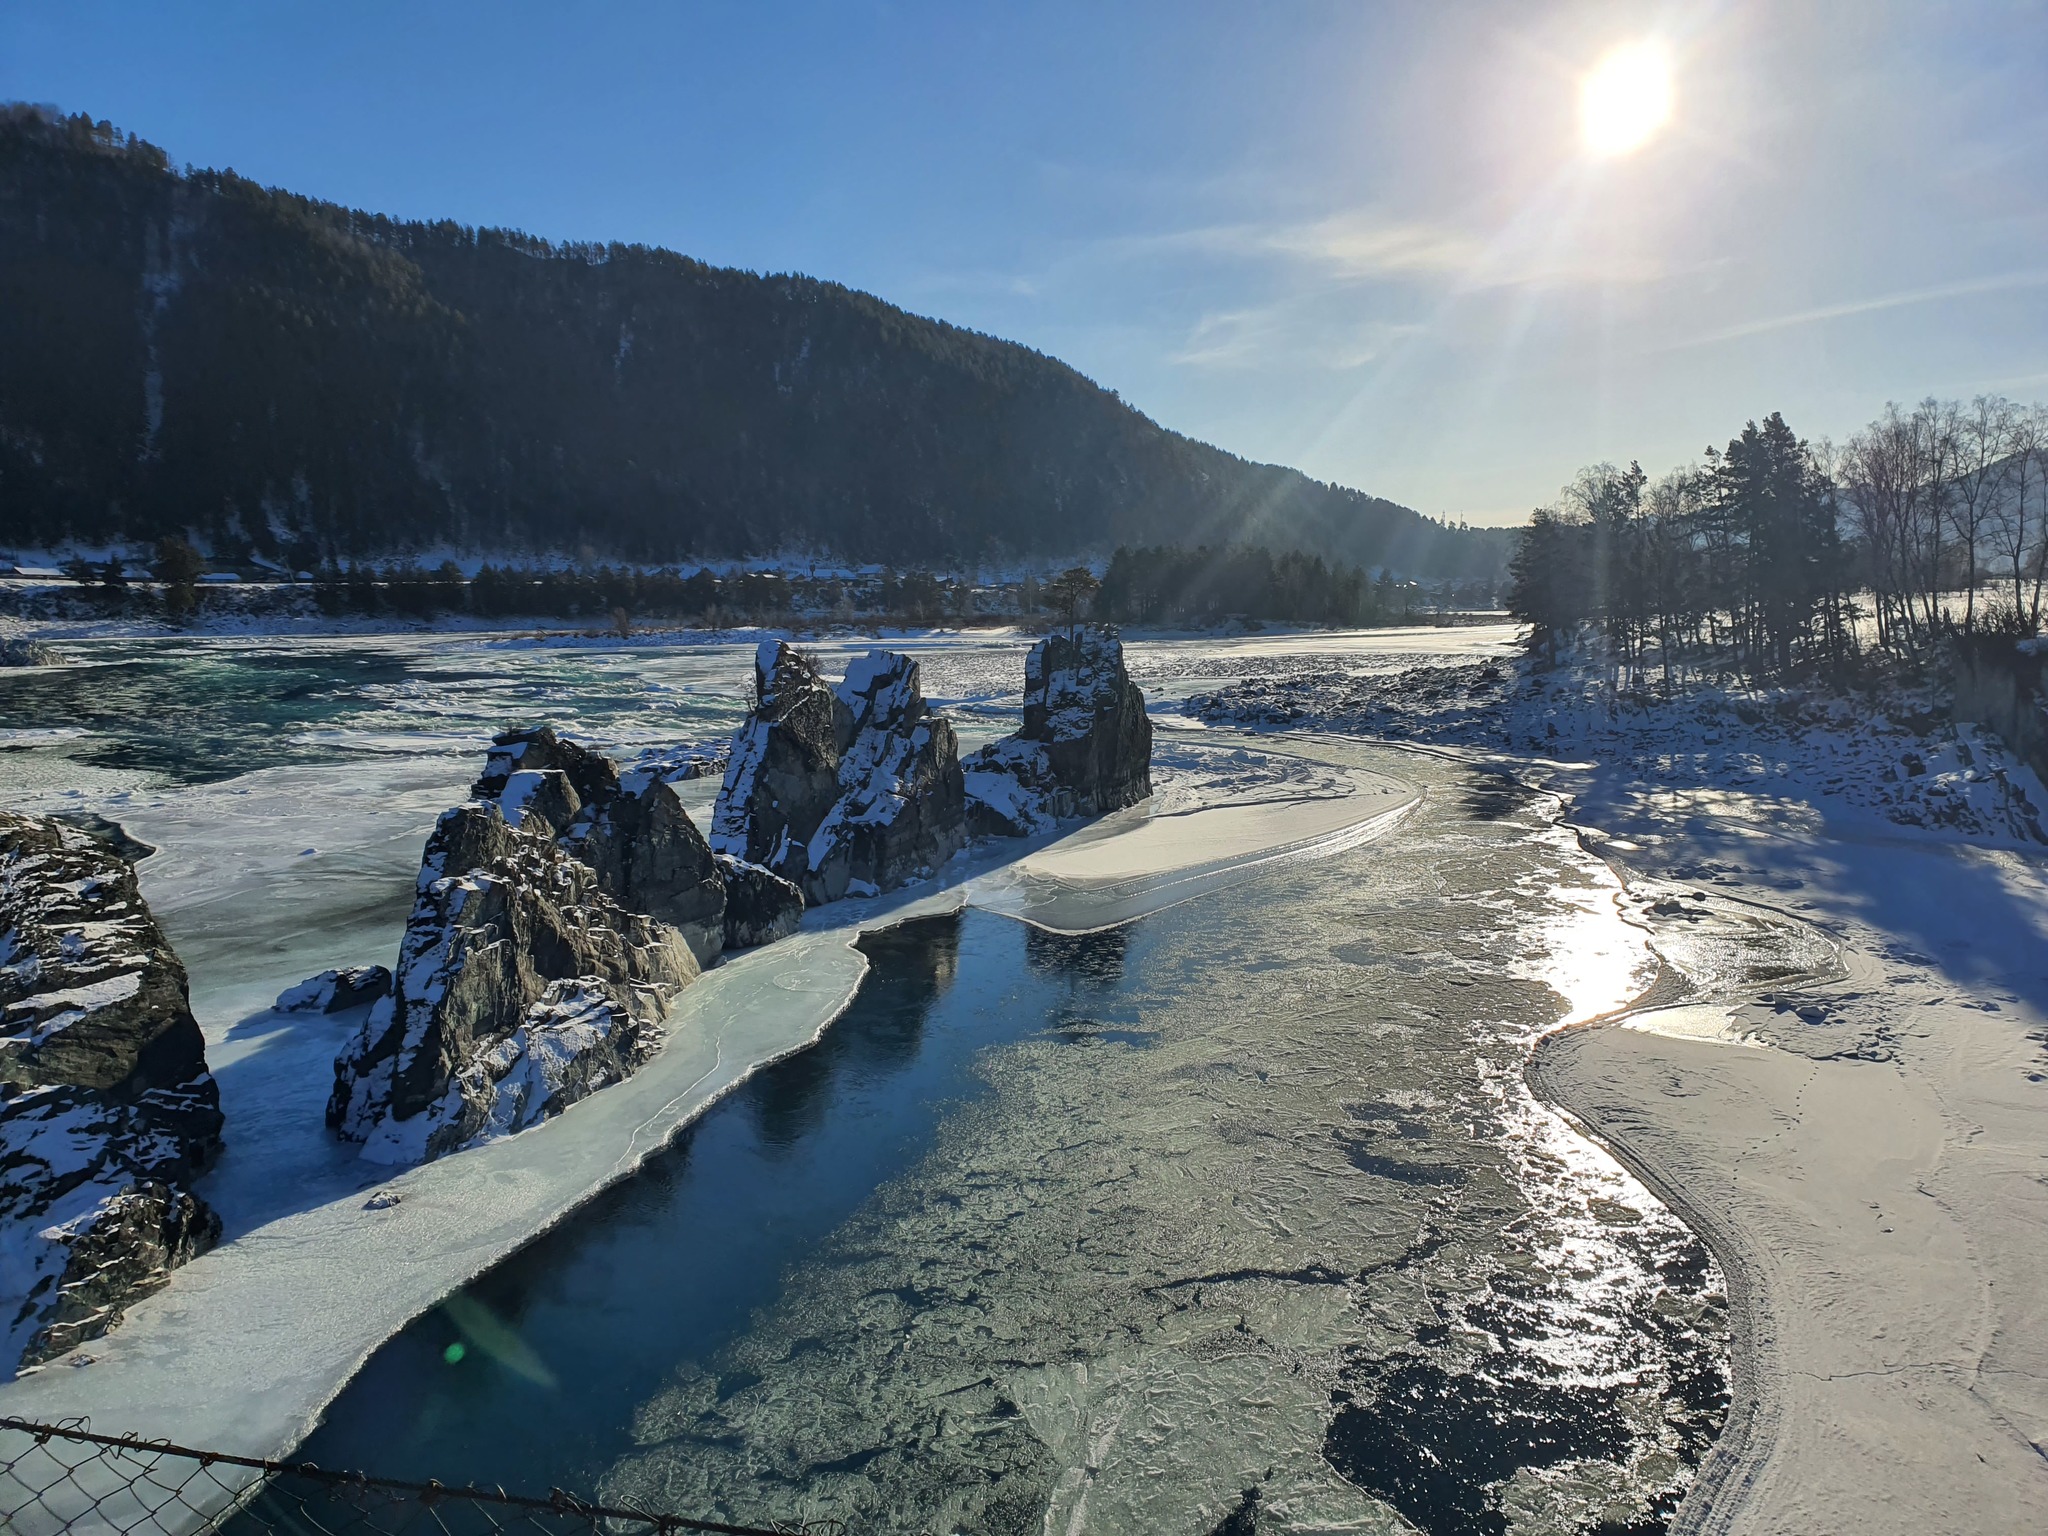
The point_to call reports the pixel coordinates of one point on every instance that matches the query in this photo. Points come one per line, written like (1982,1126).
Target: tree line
(1170,585)
(1152,585)
(1776,555)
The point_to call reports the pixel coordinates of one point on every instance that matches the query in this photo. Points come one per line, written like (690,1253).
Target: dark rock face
(631,829)
(760,906)
(841,791)
(650,857)
(590,776)
(107,1110)
(108,831)
(901,809)
(28,653)
(783,776)
(530,974)
(1085,747)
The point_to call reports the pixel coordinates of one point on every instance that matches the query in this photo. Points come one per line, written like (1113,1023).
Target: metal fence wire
(64,1477)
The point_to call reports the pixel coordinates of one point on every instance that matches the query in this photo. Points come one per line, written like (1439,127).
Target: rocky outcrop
(19,651)
(783,776)
(760,906)
(631,829)
(588,777)
(1086,743)
(107,1110)
(841,791)
(110,832)
(556,915)
(901,810)
(560,909)
(335,991)
(650,857)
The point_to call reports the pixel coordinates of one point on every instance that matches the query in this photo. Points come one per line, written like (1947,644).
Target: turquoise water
(195,711)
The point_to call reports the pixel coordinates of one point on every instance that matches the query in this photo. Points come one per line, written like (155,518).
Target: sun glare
(1625,99)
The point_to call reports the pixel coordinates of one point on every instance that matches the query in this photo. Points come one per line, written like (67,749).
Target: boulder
(901,808)
(502,913)
(335,991)
(679,765)
(107,1110)
(20,651)
(1085,747)
(760,906)
(783,776)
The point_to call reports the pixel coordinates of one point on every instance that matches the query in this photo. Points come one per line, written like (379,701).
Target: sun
(1625,99)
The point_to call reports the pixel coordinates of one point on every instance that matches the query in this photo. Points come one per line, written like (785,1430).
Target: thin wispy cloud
(1289,333)
(1364,245)
(2005,282)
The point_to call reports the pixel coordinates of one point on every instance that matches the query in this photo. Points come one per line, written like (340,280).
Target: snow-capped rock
(588,776)
(107,1110)
(1086,743)
(902,806)
(630,828)
(335,991)
(501,913)
(576,1039)
(557,912)
(841,791)
(783,776)
(760,906)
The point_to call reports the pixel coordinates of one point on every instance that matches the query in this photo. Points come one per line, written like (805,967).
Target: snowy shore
(1863,1140)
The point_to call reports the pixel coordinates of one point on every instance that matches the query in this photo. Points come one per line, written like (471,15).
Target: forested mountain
(190,351)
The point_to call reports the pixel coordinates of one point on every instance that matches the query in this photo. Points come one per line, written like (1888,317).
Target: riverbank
(1868,1157)
(1865,1149)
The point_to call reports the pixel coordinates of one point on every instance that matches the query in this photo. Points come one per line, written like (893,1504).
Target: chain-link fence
(64,1477)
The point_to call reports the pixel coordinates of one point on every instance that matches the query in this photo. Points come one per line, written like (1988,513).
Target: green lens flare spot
(454,1352)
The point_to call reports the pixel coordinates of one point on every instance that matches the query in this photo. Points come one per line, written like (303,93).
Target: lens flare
(1625,99)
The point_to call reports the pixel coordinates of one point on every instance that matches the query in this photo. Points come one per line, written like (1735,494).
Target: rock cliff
(1085,747)
(841,791)
(783,775)
(760,906)
(556,914)
(631,828)
(107,1110)
(516,964)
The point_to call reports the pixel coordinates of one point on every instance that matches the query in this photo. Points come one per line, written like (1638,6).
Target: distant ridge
(190,351)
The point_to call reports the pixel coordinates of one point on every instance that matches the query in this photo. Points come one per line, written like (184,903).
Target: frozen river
(1236,1215)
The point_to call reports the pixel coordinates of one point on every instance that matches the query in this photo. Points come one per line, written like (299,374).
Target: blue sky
(1362,239)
